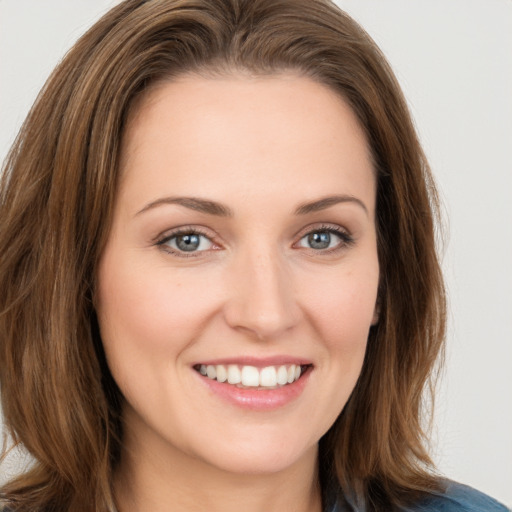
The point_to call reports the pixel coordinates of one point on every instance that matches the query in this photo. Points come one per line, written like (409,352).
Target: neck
(149,478)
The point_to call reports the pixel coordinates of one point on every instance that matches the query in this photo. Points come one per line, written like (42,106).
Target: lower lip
(257,399)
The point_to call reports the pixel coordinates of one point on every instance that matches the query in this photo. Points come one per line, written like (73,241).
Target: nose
(262,301)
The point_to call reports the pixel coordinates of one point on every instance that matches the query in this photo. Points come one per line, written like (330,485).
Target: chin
(254,458)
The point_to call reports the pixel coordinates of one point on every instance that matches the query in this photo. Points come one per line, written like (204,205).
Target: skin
(262,147)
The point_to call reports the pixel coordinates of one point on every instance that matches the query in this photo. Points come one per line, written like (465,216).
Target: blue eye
(323,239)
(187,242)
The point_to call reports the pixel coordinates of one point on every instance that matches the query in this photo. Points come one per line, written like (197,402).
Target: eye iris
(319,240)
(188,242)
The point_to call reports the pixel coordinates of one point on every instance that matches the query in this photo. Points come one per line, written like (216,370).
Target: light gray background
(454,61)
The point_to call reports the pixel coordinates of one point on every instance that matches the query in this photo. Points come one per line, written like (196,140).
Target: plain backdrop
(454,61)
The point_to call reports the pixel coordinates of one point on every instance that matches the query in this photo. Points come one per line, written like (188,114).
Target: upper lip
(258,362)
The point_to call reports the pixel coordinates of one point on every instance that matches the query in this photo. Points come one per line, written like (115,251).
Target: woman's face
(243,245)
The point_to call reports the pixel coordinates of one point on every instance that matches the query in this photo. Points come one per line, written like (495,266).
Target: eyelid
(346,238)
(162,239)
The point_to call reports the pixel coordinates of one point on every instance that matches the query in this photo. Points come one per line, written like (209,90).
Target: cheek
(145,313)
(342,308)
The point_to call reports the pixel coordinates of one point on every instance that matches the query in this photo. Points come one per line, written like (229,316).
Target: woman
(219,279)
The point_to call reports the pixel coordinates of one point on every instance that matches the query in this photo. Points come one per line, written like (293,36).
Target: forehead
(243,135)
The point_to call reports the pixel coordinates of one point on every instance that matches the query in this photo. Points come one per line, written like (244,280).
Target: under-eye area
(247,376)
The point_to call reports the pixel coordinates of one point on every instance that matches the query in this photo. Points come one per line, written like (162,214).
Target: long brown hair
(56,197)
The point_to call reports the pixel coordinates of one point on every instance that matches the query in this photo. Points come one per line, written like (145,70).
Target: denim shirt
(456,498)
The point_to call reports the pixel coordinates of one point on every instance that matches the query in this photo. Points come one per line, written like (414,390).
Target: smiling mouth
(251,377)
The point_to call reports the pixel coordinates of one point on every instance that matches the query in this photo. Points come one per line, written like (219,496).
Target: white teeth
(222,373)
(291,373)
(268,377)
(282,376)
(251,376)
(211,372)
(234,376)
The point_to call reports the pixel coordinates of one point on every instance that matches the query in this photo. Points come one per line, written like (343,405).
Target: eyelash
(346,240)
(161,242)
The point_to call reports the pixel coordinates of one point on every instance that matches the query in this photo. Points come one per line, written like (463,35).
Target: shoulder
(453,497)
(458,498)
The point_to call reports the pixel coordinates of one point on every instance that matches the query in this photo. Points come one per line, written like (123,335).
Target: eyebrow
(327,202)
(193,203)
(220,210)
